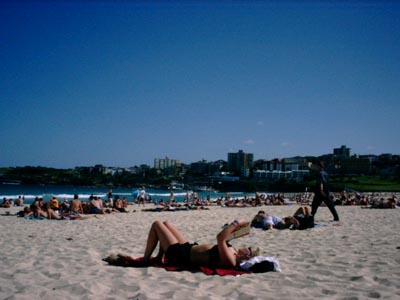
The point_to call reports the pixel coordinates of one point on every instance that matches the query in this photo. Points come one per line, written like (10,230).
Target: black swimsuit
(179,254)
(214,259)
(305,221)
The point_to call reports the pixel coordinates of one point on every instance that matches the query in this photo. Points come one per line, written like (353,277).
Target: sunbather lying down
(175,249)
(301,219)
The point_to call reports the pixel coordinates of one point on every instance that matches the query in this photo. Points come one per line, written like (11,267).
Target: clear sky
(120,83)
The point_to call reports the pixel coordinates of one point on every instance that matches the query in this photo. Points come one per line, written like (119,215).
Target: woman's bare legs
(52,214)
(307,211)
(165,233)
(303,210)
(299,211)
(176,232)
(178,235)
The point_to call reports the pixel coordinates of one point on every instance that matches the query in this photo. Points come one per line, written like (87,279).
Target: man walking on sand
(322,193)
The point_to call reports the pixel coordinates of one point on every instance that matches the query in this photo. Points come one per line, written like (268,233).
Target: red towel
(127,261)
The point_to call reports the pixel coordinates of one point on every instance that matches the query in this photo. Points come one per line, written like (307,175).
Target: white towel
(246,265)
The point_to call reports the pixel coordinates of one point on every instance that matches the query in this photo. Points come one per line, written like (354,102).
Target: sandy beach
(360,259)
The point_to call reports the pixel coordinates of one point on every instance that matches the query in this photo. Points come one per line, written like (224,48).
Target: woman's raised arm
(227,256)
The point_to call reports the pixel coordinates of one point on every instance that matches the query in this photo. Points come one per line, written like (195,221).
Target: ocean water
(30,192)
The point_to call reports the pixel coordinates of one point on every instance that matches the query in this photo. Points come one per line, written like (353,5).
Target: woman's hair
(255,251)
(288,221)
(45,206)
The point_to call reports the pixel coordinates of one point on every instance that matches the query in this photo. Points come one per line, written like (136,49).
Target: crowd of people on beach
(7,203)
(110,204)
(56,209)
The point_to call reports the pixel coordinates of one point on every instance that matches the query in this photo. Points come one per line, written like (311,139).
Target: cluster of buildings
(241,165)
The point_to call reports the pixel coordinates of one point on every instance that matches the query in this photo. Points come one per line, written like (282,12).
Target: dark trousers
(318,199)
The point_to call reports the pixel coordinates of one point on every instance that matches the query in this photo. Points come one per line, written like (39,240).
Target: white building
(295,175)
(164,163)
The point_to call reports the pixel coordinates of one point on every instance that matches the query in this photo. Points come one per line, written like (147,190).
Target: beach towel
(31,217)
(255,267)
(258,263)
(71,217)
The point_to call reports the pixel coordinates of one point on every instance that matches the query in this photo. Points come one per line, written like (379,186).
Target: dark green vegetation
(371,183)
(71,177)
(367,183)
(88,177)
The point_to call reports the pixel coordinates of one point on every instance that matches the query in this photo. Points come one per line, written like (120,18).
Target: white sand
(63,259)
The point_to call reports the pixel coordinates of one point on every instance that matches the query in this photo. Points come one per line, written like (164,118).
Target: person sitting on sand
(6,203)
(38,202)
(76,205)
(37,211)
(20,201)
(124,202)
(118,206)
(177,251)
(64,206)
(54,204)
(96,206)
(49,213)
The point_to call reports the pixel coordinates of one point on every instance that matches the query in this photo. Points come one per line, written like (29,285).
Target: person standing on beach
(142,196)
(171,198)
(322,193)
(187,198)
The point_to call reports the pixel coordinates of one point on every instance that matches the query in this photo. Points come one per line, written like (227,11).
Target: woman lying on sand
(177,251)
(301,219)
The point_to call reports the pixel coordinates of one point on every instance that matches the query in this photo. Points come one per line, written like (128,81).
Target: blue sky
(120,83)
